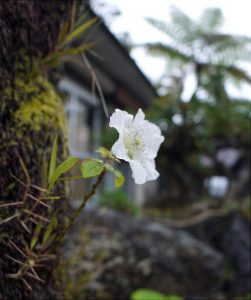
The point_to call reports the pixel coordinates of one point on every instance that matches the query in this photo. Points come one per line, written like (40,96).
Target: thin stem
(10,218)
(11,204)
(96,81)
(79,209)
(70,178)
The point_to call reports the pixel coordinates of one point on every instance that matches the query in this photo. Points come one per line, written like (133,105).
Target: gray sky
(131,20)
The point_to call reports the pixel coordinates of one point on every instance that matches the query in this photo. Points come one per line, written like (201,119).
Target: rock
(231,236)
(123,254)
(236,246)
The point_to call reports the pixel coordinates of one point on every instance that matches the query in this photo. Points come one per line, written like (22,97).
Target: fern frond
(211,19)
(239,74)
(175,31)
(166,51)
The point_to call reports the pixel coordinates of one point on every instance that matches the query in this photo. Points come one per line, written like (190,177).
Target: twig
(27,187)
(195,219)
(38,200)
(10,218)
(33,220)
(26,173)
(35,277)
(32,209)
(36,215)
(73,14)
(11,204)
(70,178)
(19,181)
(52,197)
(95,79)
(17,248)
(79,209)
(17,261)
(25,227)
(27,285)
(39,188)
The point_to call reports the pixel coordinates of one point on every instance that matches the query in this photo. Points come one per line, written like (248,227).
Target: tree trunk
(31,115)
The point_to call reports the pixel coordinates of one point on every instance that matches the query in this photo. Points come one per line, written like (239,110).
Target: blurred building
(123,85)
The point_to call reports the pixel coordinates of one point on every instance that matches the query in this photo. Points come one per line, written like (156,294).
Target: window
(84,122)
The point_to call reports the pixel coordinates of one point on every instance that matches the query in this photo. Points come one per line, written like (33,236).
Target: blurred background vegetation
(205,159)
(207,134)
(204,162)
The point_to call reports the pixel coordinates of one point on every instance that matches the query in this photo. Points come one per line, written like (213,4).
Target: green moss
(32,114)
(43,106)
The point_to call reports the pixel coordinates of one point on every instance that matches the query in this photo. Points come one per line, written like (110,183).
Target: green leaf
(119,177)
(53,58)
(173,297)
(63,32)
(61,169)
(80,20)
(78,31)
(105,153)
(25,170)
(44,171)
(79,49)
(110,168)
(36,235)
(53,224)
(147,294)
(53,159)
(92,167)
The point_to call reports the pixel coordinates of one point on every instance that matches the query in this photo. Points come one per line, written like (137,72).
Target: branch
(79,209)
(196,219)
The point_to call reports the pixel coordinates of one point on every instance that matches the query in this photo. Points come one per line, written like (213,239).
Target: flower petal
(120,120)
(140,116)
(152,138)
(138,172)
(119,150)
(149,166)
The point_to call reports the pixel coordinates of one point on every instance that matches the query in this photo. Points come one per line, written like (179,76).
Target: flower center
(133,143)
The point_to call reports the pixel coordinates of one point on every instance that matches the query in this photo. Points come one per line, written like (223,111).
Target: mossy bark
(31,115)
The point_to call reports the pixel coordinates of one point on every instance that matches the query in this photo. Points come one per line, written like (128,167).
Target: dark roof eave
(126,73)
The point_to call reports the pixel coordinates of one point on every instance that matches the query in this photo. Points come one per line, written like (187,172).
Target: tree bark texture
(31,115)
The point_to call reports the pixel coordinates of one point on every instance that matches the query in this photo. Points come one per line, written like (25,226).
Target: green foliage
(92,167)
(77,32)
(211,119)
(64,167)
(119,178)
(200,43)
(147,294)
(68,43)
(53,159)
(243,297)
(105,153)
(248,296)
(36,235)
(108,155)
(49,229)
(211,19)
(118,200)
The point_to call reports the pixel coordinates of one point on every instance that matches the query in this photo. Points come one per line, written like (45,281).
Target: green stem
(79,209)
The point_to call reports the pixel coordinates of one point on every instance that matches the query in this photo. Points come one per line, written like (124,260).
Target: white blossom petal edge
(138,143)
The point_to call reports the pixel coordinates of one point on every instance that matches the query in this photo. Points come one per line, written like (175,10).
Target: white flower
(138,143)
